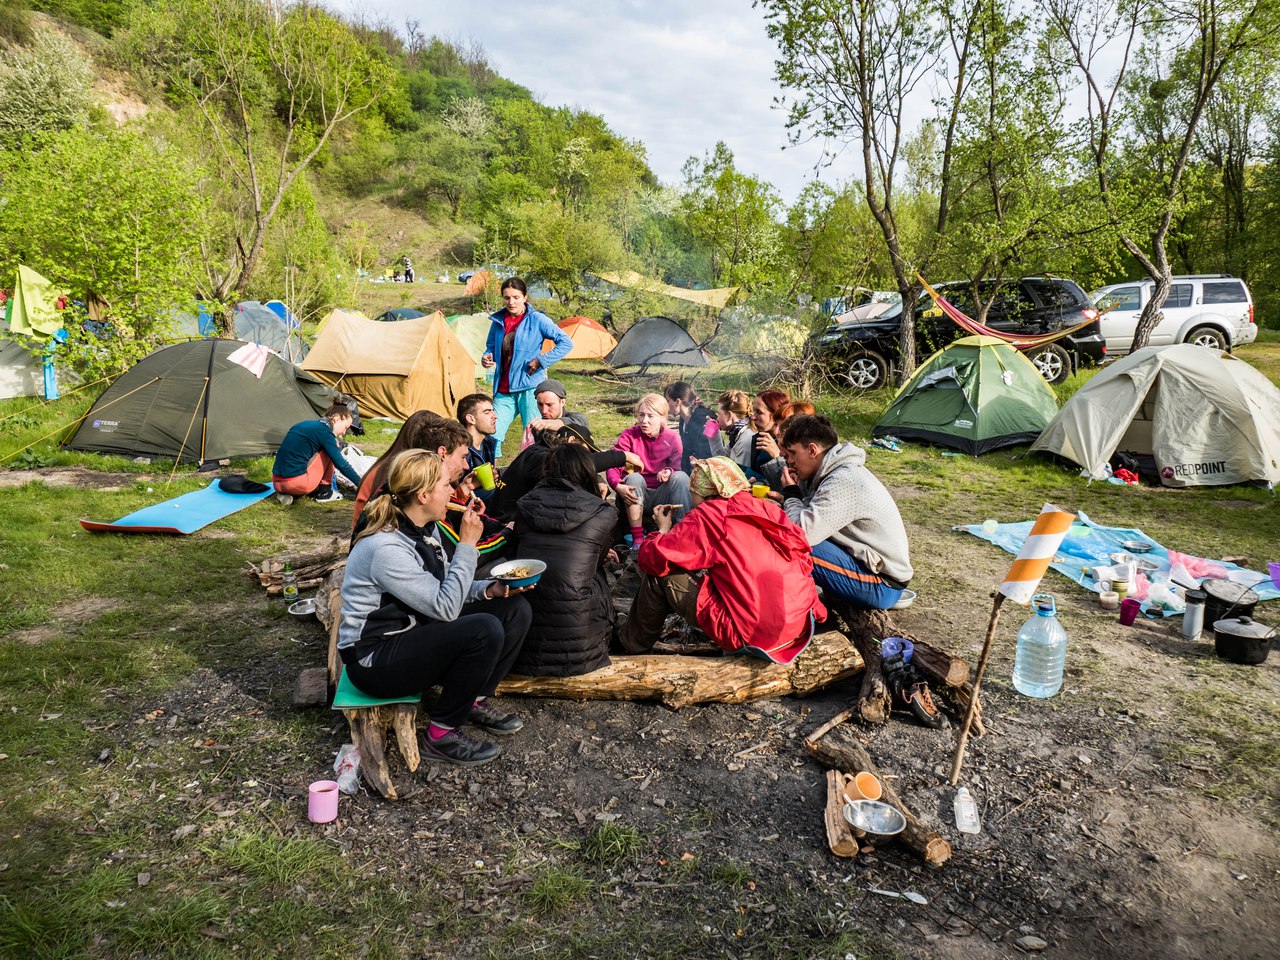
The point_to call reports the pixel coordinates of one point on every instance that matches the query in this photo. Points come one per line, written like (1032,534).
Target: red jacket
(759,591)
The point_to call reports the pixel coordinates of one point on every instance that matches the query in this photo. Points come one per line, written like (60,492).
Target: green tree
(116,213)
(546,242)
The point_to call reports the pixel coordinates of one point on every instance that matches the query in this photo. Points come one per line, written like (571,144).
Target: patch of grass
(555,889)
(735,876)
(279,861)
(611,844)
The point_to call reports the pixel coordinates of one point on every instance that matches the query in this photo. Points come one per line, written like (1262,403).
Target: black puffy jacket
(570,530)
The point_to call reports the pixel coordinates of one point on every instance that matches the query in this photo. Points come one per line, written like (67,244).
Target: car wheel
(1053,362)
(866,370)
(1210,337)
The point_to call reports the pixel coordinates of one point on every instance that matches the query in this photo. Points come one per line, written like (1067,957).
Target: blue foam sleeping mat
(1089,544)
(182,515)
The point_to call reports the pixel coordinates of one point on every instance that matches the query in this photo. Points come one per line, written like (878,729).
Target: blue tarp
(1089,544)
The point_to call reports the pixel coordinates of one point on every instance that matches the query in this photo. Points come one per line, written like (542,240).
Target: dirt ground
(1092,844)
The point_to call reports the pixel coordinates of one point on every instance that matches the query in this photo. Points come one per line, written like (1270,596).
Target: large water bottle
(1042,651)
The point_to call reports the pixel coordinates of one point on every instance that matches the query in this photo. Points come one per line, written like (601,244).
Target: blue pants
(507,405)
(842,576)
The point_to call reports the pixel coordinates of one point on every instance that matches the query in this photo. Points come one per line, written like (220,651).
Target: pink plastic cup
(1129,608)
(322,801)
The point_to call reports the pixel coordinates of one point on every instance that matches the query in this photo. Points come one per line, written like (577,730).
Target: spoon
(906,895)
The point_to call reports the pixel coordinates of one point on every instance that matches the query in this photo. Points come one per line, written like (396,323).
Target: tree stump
(369,727)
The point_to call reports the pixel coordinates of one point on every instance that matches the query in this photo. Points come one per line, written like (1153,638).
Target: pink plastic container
(322,801)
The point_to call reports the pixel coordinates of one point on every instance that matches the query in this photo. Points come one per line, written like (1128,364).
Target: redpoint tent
(591,341)
(1206,417)
(392,369)
(656,341)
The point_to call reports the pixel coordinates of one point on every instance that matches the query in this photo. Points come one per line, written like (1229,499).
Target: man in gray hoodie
(859,543)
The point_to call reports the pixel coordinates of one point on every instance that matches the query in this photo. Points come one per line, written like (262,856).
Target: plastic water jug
(1042,651)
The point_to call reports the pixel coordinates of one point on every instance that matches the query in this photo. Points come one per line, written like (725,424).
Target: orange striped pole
(1019,585)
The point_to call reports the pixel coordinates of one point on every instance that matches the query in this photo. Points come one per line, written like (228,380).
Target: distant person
(699,432)
(733,414)
(413,619)
(309,453)
(514,352)
(408,271)
(859,542)
(659,479)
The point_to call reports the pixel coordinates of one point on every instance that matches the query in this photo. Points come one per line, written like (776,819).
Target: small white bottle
(966,812)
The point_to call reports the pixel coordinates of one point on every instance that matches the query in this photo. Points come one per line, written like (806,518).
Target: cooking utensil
(875,818)
(1136,546)
(303,608)
(1242,640)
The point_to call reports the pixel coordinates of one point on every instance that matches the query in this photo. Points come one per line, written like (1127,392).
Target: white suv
(1211,309)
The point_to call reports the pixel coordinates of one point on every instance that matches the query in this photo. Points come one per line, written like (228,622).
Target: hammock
(1021,341)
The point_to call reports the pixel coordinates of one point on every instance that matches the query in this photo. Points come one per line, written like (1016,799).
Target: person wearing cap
(735,567)
(550,396)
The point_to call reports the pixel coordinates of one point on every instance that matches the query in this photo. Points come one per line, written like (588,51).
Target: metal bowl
(908,597)
(503,571)
(875,818)
(303,608)
(1136,546)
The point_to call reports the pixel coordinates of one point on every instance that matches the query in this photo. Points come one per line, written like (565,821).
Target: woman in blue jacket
(514,351)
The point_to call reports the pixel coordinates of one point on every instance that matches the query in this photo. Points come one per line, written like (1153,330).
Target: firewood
(310,567)
(329,613)
(678,681)
(866,628)
(840,838)
(849,757)
(938,666)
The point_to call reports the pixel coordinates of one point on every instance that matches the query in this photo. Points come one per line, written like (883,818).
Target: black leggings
(466,657)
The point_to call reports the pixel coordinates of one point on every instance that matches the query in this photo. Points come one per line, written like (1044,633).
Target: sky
(677,75)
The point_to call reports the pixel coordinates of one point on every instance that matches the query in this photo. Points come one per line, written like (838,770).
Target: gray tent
(1207,418)
(21,374)
(255,323)
(656,341)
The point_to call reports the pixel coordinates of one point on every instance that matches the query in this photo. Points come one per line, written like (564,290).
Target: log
(840,838)
(369,726)
(310,567)
(851,758)
(679,681)
(866,628)
(329,613)
(937,666)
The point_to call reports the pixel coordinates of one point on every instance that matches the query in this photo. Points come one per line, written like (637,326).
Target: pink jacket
(662,452)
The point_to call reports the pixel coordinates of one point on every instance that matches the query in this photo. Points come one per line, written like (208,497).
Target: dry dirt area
(1093,843)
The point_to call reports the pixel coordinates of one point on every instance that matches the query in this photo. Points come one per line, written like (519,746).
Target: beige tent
(591,341)
(1205,416)
(715,299)
(392,369)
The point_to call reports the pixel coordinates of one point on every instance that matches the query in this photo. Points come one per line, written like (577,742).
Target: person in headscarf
(734,566)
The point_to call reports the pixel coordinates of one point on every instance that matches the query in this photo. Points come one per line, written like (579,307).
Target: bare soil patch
(80,478)
(68,615)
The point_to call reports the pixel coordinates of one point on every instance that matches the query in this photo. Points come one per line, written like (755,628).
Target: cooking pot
(1226,598)
(1242,640)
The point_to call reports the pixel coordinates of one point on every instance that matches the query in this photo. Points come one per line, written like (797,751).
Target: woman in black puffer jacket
(563,522)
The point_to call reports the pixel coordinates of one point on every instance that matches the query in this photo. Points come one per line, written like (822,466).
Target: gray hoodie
(846,504)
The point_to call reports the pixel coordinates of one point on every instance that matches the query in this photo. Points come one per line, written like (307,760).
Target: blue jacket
(532,331)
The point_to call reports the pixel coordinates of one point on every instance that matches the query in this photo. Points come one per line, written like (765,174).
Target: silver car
(1211,309)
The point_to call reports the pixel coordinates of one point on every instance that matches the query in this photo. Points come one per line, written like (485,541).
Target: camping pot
(1242,640)
(1227,599)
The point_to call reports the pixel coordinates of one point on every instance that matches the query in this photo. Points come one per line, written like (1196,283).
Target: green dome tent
(976,395)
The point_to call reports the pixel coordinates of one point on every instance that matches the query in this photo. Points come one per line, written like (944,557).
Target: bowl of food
(303,608)
(875,818)
(1136,546)
(519,573)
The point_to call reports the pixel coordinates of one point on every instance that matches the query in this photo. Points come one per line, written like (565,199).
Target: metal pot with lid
(1226,598)
(1242,640)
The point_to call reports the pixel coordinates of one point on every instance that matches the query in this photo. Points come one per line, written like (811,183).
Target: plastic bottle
(290,581)
(1042,651)
(966,812)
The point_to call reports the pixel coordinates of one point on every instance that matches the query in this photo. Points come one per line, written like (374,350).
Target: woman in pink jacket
(660,480)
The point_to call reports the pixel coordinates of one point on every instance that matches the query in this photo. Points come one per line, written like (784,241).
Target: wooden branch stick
(851,758)
(963,740)
(840,838)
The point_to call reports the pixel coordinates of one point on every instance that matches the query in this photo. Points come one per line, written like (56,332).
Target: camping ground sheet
(1089,544)
(181,515)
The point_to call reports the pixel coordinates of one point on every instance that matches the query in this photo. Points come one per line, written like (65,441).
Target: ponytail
(411,471)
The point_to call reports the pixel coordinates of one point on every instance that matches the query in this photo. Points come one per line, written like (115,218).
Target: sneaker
(492,720)
(919,702)
(457,748)
(327,496)
(284,498)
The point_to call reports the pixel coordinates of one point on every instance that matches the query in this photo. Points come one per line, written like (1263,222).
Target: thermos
(1193,619)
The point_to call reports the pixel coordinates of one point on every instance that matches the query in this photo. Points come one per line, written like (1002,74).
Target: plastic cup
(1129,608)
(1109,599)
(484,474)
(760,490)
(322,801)
(863,787)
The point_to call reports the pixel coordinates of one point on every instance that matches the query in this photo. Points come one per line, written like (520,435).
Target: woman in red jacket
(735,566)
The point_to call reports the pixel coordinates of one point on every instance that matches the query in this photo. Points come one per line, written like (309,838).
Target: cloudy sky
(676,75)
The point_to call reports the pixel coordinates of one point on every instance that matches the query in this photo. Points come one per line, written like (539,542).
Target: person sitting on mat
(412,619)
(735,567)
(308,455)
(860,553)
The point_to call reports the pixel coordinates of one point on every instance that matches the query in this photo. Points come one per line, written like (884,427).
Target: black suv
(864,353)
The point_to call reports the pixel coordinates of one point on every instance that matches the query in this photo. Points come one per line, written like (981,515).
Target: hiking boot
(284,498)
(457,748)
(918,701)
(492,720)
(328,495)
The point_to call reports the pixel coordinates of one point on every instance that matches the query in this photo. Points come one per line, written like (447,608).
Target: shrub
(43,88)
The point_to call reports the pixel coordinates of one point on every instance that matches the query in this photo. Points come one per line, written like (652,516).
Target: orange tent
(477,282)
(591,341)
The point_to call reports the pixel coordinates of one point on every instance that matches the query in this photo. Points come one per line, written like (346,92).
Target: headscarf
(717,477)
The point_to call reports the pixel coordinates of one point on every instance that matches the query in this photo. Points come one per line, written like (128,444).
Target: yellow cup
(484,474)
(863,787)
(760,490)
